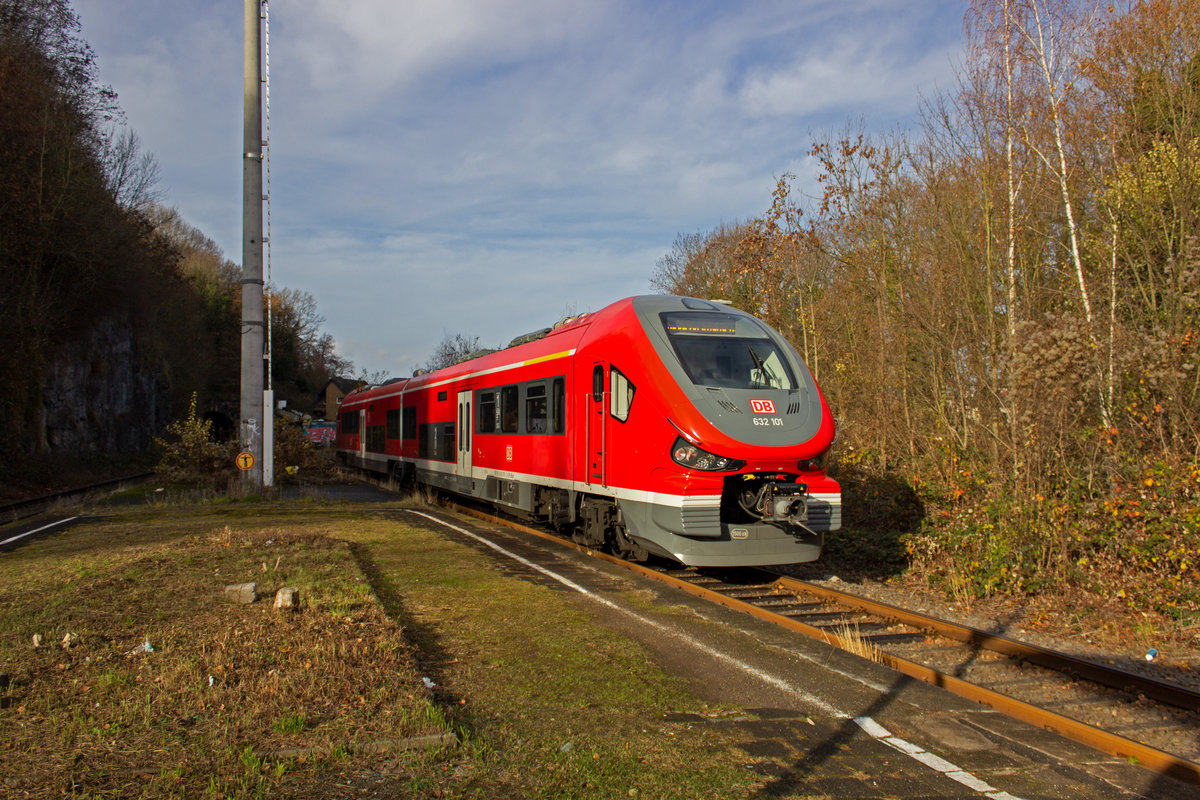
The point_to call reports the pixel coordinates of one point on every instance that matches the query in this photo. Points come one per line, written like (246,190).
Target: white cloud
(445,166)
(842,81)
(378,46)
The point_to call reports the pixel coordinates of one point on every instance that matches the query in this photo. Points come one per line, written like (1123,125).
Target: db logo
(762,406)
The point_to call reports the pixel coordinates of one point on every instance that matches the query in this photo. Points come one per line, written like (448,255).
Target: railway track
(22,509)
(1143,719)
(1132,716)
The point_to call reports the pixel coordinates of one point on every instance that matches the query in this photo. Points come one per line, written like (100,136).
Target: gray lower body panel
(515,494)
(699,539)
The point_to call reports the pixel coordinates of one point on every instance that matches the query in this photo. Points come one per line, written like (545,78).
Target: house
(329,399)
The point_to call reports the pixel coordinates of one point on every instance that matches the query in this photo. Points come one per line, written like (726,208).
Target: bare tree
(131,174)
(1053,30)
(670,274)
(451,350)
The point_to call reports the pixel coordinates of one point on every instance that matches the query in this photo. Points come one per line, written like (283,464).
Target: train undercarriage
(757,519)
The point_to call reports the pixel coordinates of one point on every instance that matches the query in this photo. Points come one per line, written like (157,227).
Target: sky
(487,167)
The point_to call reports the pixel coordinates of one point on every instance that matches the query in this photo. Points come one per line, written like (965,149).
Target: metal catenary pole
(268,460)
(252,418)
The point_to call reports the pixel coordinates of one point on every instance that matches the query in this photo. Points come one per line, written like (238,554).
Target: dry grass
(245,701)
(224,686)
(852,640)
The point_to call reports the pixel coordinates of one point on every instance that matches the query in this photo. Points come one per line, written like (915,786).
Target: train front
(750,429)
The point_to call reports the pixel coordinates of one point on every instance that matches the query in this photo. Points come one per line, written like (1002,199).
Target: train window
(436,441)
(726,350)
(621,393)
(486,403)
(441,396)
(535,408)
(408,428)
(393,423)
(559,405)
(509,409)
(349,423)
(598,384)
(375,440)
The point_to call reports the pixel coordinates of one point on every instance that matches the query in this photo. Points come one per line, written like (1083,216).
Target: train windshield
(727,350)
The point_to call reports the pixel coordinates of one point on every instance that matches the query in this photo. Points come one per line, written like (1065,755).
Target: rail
(773,586)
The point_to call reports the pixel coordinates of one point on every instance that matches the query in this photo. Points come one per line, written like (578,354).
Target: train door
(596,428)
(362,433)
(463,437)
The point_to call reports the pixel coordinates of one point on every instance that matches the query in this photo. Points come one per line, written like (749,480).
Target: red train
(660,425)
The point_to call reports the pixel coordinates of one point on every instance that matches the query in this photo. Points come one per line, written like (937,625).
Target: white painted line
(936,763)
(872,728)
(868,725)
(908,748)
(970,781)
(37,530)
(716,654)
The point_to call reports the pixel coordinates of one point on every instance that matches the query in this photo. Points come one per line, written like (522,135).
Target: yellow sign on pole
(245,460)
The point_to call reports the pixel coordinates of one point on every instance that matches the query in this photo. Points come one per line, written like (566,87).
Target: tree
(671,272)
(84,247)
(131,174)
(64,245)
(303,358)
(451,350)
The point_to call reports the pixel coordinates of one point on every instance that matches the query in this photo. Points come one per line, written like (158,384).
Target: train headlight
(688,455)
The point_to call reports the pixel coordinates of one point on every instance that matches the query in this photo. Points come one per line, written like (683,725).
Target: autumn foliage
(1003,305)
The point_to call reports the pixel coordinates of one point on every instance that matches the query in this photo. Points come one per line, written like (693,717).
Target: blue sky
(485,167)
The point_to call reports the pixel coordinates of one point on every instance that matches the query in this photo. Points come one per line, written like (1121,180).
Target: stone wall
(99,395)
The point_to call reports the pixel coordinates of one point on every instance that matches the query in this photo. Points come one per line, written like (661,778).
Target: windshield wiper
(760,366)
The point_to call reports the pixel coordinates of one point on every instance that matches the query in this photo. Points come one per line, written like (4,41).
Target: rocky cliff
(100,395)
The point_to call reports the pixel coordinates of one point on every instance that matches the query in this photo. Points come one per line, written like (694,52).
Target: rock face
(99,395)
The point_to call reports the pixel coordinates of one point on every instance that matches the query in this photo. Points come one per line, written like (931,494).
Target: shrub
(189,454)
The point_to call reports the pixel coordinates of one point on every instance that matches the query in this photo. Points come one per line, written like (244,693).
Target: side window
(487,411)
(598,384)
(621,395)
(408,428)
(349,422)
(375,439)
(535,408)
(509,409)
(559,405)
(393,423)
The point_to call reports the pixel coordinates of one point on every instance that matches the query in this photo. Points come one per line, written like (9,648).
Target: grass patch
(168,690)
(550,704)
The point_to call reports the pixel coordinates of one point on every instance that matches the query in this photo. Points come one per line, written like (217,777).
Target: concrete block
(242,592)
(288,598)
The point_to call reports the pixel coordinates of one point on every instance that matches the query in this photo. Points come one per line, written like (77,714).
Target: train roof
(529,345)
(539,343)
(532,345)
